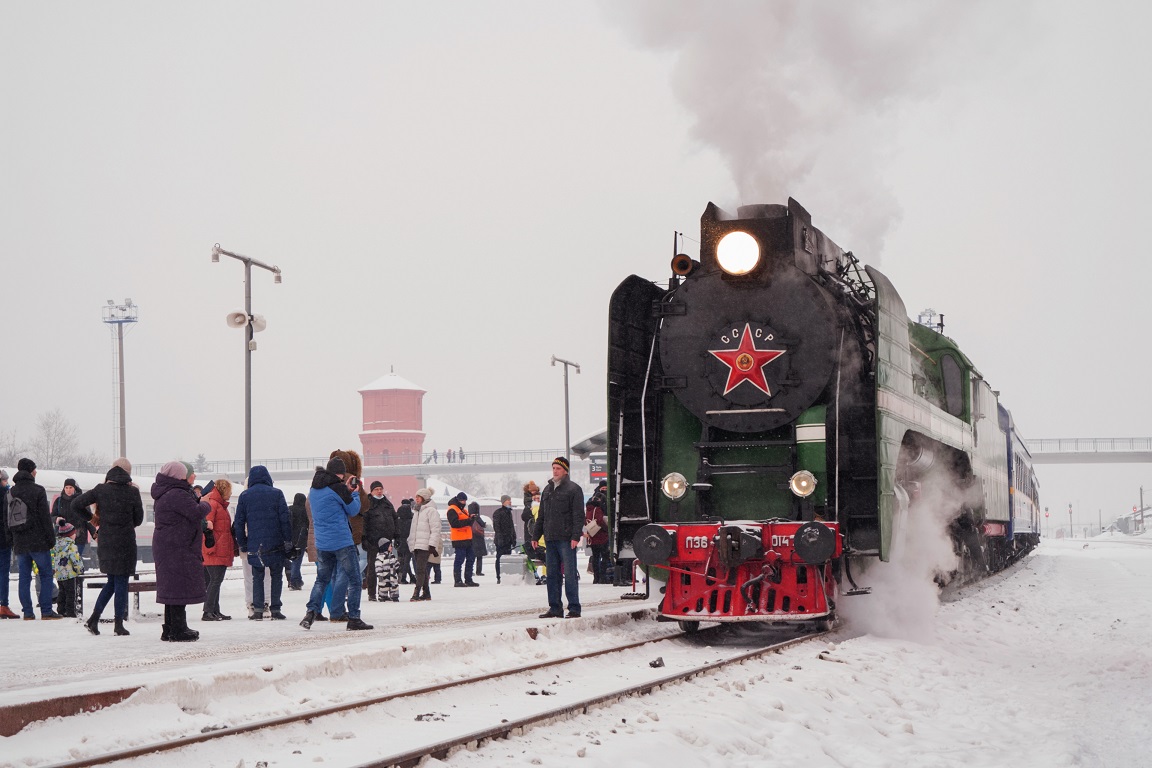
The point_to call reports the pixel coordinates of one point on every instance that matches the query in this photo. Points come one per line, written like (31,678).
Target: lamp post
(567,433)
(251,323)
(118,315)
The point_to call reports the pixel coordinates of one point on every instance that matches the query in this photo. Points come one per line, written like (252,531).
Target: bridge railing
(1090,445)
(439,461)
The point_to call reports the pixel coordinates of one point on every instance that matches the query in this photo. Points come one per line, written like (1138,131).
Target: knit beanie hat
(175,470)
(505,498)
(124,464)
(425,493)
(563,462)
(376,484)
(26,465)
(336,466)
(63,527)
(461,497)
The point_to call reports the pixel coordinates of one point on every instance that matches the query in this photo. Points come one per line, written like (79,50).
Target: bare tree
(93,461)
(11,450)
(469,483)
(55,443)
(512,485)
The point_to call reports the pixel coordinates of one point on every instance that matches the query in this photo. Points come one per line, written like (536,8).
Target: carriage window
(953,381)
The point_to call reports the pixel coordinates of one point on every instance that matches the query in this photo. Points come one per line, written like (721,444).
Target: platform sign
(598,467)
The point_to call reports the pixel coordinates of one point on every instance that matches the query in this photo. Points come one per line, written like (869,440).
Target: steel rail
(275,722)
(444,749)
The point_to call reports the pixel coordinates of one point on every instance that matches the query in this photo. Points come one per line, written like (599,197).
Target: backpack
(17,514)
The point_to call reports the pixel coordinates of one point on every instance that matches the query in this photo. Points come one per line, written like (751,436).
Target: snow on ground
(1047,665)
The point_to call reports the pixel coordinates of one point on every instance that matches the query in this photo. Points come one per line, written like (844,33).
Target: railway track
(335,731)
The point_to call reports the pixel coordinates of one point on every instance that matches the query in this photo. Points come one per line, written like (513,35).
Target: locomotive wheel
(689,627)
(825,624)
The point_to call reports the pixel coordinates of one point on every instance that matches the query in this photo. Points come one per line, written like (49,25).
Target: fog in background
(454,190)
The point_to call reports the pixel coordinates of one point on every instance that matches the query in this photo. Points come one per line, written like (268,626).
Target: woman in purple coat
(176,547)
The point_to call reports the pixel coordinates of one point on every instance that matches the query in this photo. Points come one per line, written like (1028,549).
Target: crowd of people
(358,540)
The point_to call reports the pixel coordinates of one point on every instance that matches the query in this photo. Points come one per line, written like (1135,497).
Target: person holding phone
(334,502)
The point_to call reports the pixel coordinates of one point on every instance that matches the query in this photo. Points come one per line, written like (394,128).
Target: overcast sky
(454,189)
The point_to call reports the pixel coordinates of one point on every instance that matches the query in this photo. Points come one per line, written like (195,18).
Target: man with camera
(334,501)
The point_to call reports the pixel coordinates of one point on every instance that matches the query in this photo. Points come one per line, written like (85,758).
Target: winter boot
(93,624)
(358,623)
(120,628)
(8,613)
(308,619)
(166,633)
(182,633)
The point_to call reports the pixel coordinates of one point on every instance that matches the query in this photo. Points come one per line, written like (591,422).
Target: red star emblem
(746,363)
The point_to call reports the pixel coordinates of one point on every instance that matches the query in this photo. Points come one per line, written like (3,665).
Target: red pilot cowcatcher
(751,571)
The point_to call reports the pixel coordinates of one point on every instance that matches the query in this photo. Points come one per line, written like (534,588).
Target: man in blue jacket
(263,529)
(334,500)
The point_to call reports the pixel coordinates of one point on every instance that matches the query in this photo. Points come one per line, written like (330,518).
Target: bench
(135,586)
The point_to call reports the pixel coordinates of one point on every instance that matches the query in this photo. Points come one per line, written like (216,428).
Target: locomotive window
(953,381)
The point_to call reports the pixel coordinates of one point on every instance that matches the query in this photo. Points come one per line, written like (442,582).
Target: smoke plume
(804,99)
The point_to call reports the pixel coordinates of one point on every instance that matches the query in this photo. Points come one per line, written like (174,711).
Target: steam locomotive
(776,421)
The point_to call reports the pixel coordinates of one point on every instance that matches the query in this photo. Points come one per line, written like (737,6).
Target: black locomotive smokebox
(653,545)
(814,543)
(751,356)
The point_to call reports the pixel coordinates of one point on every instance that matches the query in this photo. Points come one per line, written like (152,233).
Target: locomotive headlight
(674,485)
(803,483)
(738,253)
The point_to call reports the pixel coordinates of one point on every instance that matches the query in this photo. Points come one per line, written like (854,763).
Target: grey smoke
(805,99)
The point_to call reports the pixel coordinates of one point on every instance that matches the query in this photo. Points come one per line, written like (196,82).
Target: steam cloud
(905,596)
(804,99)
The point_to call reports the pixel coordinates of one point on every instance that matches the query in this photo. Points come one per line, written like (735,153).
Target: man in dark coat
(33,543)
(263,529)
(479,546)
(121,512)
(379,524)
(298,513)
(561,522)
(503,530)
(403,528)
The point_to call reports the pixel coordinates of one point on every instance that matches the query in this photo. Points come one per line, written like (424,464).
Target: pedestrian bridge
(1091,450)
(295,469)
(1064,450)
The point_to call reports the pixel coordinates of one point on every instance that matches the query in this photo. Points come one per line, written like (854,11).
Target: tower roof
(390,381)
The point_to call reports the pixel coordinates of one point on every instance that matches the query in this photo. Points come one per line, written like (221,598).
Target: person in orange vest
(460,522)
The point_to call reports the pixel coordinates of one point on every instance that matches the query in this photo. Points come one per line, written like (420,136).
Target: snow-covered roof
(390,381)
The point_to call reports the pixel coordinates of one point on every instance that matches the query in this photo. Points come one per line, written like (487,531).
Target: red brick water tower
(393,431)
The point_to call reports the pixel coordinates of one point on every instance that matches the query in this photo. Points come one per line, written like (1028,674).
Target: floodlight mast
(249,343)
(119,315)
